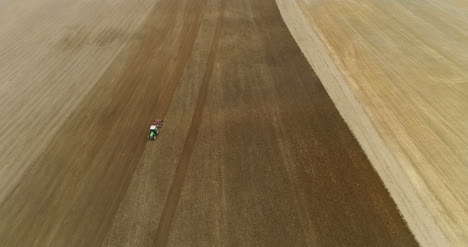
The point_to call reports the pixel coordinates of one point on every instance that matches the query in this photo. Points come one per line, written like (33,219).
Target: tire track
(176,74)
(170,207)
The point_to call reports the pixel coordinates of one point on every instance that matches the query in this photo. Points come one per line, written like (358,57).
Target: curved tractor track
(253,151)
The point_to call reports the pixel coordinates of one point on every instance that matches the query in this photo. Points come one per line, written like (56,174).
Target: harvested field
(397,72)
(252,153)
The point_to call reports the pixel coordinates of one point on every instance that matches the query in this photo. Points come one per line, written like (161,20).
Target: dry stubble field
(253,151)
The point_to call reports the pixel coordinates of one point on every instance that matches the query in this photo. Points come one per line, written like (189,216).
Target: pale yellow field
(253,151)
(398,73)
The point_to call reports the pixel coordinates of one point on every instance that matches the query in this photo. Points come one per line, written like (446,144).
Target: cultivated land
(398,73)
(253,151)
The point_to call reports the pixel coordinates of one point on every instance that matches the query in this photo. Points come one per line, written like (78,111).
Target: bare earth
(397,72)
(253,151)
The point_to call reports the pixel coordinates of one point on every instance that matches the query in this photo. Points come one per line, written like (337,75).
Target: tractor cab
(154,129)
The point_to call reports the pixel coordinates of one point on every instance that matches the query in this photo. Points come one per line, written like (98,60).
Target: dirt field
(253,151)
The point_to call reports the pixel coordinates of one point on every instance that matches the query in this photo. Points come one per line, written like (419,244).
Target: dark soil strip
(172,200)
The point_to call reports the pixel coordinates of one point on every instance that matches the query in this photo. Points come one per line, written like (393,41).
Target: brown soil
(253,151)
